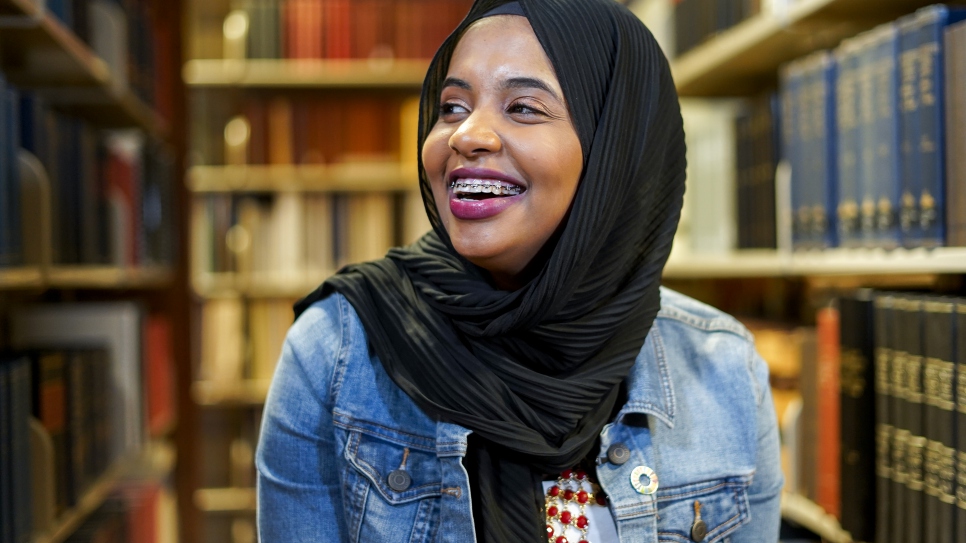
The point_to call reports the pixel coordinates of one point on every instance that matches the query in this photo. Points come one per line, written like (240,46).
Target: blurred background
(174,174)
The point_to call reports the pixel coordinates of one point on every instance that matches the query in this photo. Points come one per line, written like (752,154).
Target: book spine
(826,145)
(51,395)
(887,149)
(884,427)
(955,61)
(909,130)
(899,386)
(6,456)
(20,439)
(848,149)
(866,174)
(791,149)
(939,395)
(911,341)
(959,338)
(10,237)
(827,328)
(857,377)
(931,193)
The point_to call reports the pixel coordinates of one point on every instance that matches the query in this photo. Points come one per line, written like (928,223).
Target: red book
(827,488)
(123,193)
(158,375)
(337,18)
(373,28)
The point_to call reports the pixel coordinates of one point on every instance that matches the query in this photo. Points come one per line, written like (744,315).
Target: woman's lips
(476,209)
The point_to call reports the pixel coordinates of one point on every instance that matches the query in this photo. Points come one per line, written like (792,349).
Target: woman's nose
(476,134)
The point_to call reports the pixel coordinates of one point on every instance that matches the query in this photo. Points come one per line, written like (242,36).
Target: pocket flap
(377,457)
(723,507)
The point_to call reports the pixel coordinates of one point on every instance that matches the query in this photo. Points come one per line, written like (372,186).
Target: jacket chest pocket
(392,487)
(721,505)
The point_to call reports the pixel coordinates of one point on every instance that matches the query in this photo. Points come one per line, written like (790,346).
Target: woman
(518,375)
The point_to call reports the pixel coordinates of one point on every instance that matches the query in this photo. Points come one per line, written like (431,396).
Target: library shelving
(256,285)
(229,500)
(347,177)
(156,460)
(38,52)
(831,262)
(84,277)
(249,392)
(746,57)
(807,514)
(377,73)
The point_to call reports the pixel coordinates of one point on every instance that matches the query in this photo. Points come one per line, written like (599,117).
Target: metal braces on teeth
(486,187)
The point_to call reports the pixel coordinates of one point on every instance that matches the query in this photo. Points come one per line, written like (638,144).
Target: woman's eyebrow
(510,83)
(529,83)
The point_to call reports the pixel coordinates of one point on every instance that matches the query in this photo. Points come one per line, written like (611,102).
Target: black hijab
(535,373)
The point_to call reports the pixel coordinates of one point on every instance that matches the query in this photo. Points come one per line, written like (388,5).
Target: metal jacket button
(618,454)
(399,480)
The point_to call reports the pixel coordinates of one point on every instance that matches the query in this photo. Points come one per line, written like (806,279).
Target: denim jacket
(698,413)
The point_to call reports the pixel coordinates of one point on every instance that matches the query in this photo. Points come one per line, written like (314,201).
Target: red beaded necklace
(566,504)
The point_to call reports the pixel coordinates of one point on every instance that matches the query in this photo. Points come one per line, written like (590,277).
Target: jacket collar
(649,388)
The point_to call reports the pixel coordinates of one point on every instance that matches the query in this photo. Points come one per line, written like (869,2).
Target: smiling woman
(518,374)
(502,122)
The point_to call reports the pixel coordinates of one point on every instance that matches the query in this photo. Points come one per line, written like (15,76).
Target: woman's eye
(524,109)
(450,108)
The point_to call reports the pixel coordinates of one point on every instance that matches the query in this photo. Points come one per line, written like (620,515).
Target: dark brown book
(898,499)
(960,342)
(938,379)
(50,408)
(910,342)
(856,383)
(884,417)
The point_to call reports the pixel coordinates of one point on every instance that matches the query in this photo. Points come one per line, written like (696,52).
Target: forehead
(501,46)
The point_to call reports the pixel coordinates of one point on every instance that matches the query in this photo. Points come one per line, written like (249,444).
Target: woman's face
(503,159)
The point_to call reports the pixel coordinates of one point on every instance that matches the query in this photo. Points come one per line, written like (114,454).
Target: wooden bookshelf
(866,262)
(746,57)
(21,278)
(268,285)
(241,393)
(97,277)
(345,177)
(38,52)
(808,514)
(225,500)
(315,74)
(156,460)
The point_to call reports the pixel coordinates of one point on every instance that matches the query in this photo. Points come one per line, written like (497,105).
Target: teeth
(476,186)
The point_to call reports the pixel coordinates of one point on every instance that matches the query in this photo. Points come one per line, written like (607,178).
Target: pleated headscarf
(535,373)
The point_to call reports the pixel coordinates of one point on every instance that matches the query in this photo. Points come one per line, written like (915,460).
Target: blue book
(930,23)
(848,131)
(888,165)
(865,139)
(791,149)
(909,130)
(10,239)
(822,148)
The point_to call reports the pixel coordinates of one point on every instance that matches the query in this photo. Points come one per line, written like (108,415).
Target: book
(10,228)
(909,342)
(939,396)
(856,383)
(955,103)
(851,70)
(884,415)
(960,480)
(828,461)
(886,166)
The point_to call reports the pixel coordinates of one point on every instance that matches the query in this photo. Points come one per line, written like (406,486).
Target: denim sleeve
(298,485)
(764,496)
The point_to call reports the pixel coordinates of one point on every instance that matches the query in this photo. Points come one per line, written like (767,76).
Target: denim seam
(338,373)
(698,491)
(718,324)
(759,392)
(394,435)
(663,412)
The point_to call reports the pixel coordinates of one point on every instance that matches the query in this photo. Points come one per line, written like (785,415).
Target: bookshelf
(807,514)
(379,73)
(231,500)
(156,461)
(29,277)
(247,392)
(347,177)
(84,277)
(746,57)
(38,52)
(832,262)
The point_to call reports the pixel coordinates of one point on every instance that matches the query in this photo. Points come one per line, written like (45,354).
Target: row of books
(300,236)
(128,37)
(865,133)
(91,384)
(695,21)
(242,339)
(302,130)
(73,194)
(339,29)
(871,413)
(138,512)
